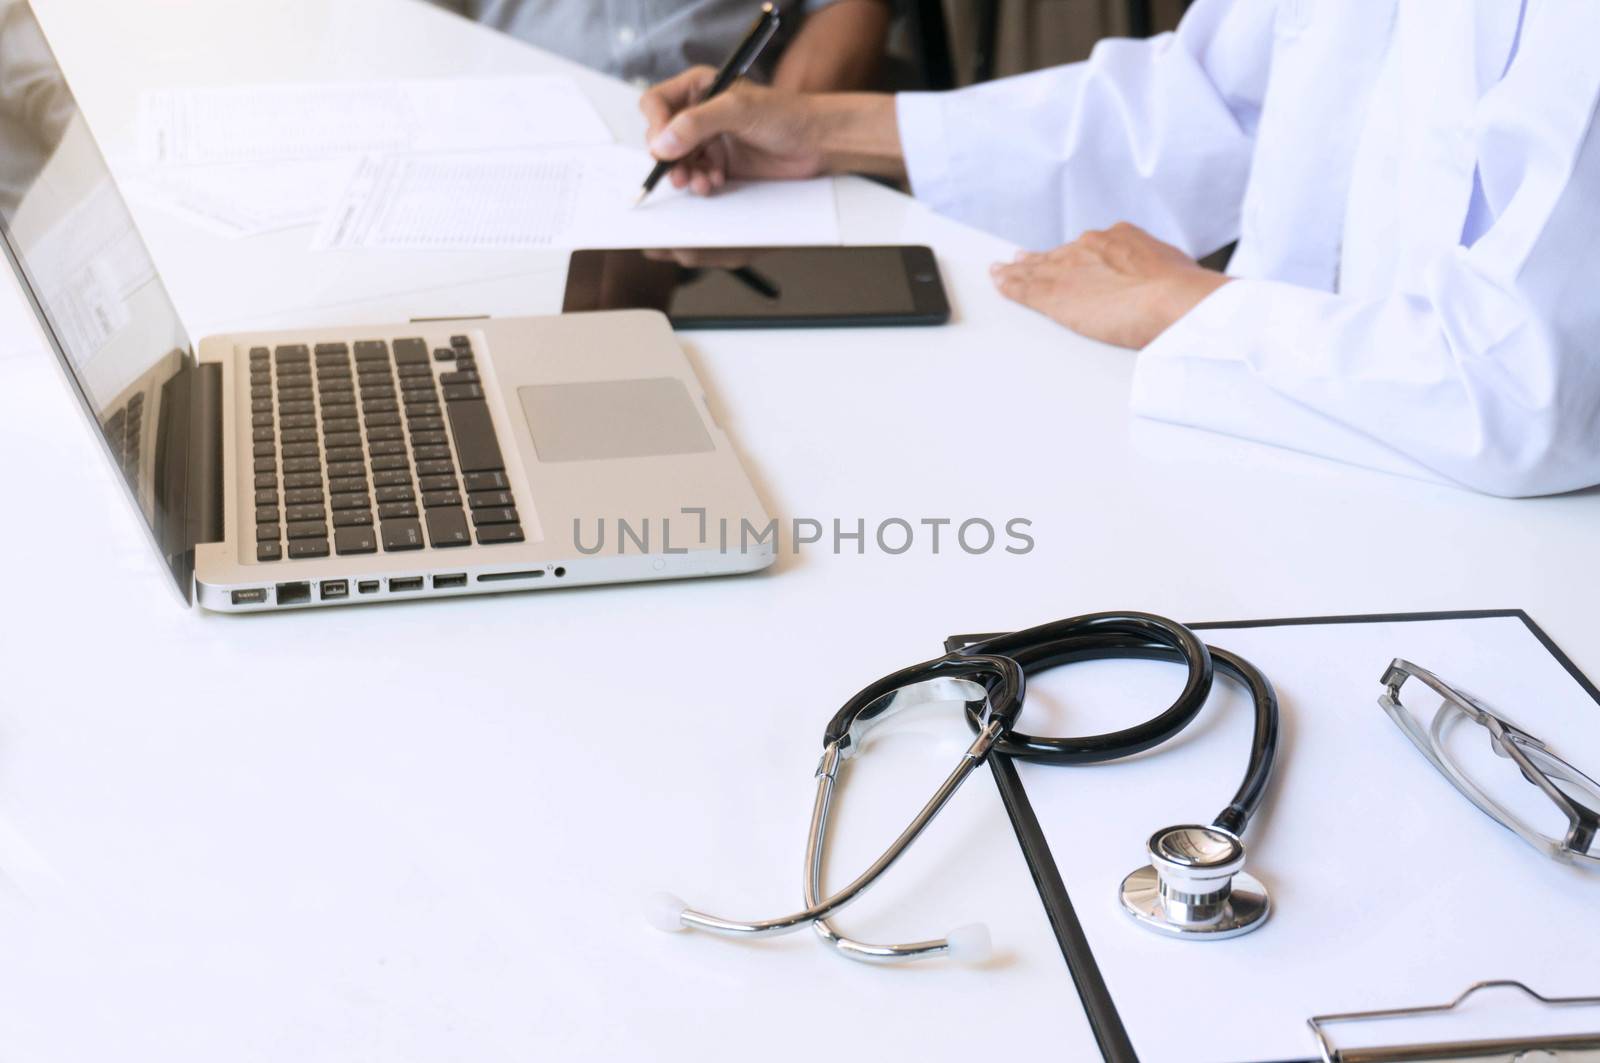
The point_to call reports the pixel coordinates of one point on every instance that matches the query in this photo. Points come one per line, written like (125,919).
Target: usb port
(367,586)
(334,588)
(293,593)
(458,579)
(408,583)
(253,596)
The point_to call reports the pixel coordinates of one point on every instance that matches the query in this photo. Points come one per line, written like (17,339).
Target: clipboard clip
(1535,1049)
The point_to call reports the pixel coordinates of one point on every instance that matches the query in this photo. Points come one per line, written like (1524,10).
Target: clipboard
(1328,1032)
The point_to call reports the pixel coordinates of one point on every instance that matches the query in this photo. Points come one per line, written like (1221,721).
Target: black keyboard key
(428,453)
(352,518)
(476,446)
(267,498)
(334,423)
(260,391)
(435,499)
(435,467)
(265,465)
(428,439)
(426,424)
(307,529)
(490,499)
(335,440)
(447,527)
(462,392)
(494,515)
(272,551)
(259,354)
(346,484)
(268,533)
(294,394)
(407,372)
(301,549)
(334,400)
(305,512)
(392,478)
(402,534)
(370,392)
(410,350)
(289,409)
(337,455)
(332,348)
(386,448)
(461,343)
(418,396)
(301,465)
(380,435)
(260,405)
(266,514)
(380,406)
(438,483)
(485,481)
(303,496)
(396,510)
(265,450)
(301,450)
(444,354)
(466,361)
(423,409)
(297,481)
(296,354)
(300,435)
(261,420)
(340,469)
(355,540)
(372,351)
(299,420)
(266,479)
(349,500)
(396,494)
(390,462)
(460,376)
(499,533)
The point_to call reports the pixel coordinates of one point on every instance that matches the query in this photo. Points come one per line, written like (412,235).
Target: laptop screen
(86,271)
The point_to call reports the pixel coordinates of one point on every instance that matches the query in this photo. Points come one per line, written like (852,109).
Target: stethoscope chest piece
(1195,887)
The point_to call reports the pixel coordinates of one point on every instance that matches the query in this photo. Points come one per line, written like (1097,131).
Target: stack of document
(479,164)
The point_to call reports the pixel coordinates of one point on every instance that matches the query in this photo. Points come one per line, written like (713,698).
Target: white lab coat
(1415,188)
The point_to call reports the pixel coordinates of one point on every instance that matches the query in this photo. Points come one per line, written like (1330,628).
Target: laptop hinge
(205,468)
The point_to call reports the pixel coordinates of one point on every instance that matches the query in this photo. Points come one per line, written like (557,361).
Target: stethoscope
(1194,886)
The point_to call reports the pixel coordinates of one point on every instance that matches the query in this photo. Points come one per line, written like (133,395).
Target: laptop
(318,467)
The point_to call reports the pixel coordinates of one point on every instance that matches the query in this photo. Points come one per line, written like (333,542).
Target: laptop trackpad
(596,420)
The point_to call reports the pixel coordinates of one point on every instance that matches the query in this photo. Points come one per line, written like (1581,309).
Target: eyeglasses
(1524,786)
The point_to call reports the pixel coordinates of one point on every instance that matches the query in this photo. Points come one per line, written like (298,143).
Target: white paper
(246,199)
(237,124)
(562,199)
(1389,888)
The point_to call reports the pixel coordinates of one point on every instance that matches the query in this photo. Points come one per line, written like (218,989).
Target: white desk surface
(419,832)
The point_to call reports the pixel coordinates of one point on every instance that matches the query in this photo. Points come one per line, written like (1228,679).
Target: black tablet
(764,287)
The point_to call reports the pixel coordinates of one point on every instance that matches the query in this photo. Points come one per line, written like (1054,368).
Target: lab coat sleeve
(1488,375)
(1157,132)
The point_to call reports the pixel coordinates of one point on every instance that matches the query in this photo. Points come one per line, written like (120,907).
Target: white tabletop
(419,832)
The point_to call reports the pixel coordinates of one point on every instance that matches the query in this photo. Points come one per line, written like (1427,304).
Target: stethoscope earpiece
(1195,886)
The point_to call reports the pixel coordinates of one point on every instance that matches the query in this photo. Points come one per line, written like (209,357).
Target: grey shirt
(643,41)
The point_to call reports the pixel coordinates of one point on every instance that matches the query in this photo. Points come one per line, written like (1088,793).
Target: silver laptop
(305,468)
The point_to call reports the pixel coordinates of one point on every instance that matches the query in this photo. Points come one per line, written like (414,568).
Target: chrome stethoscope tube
(996,682)
(693,919)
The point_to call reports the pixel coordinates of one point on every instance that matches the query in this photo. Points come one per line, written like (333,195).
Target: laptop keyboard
(374,446)
(125,432)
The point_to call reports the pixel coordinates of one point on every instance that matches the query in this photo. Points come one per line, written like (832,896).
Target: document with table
(1390,890)
(472,164)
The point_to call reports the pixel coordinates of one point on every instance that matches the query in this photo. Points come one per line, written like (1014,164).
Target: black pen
(761,31)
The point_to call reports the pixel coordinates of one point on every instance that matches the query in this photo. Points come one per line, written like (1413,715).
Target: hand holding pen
(760,33)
